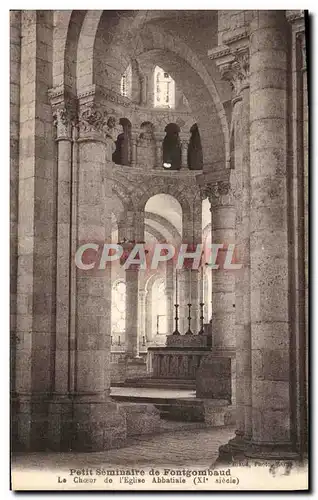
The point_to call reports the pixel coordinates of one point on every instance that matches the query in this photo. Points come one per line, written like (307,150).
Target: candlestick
(176,331)
(201,331)
(189,332)
(211,301)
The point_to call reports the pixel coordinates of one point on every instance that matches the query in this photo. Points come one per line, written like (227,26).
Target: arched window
(195,156)
(118,311)
(126,82)
(171,147)
(164,89)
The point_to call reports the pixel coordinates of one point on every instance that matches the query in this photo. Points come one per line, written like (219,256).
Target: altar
(180,358)
(192,358)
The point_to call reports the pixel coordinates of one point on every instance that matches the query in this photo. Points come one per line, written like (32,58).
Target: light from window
(118,311)
(165,89)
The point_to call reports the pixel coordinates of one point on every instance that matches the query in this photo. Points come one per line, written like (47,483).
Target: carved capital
(217,193)
(237,71)
(63,118)
(97,124)
(64,111)
(232,61)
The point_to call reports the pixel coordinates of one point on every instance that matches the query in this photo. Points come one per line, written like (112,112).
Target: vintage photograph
(159,250)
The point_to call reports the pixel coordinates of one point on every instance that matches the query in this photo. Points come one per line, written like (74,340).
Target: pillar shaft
(170,296)
(92,377)
(184,153)
(149,326)
(183,297)
(142,316)
(159,152)
(270,327)
(90,421)
(133,151)
(132,344)
(63,274)
(223,290)
(35,319)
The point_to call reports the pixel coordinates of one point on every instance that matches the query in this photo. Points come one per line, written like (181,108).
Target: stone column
(148,314)
(63,116)
(15,55)
(170,296)
(184,152)
(183,286)
(97,422)
(223,291)
(222,209)
(298,190)
(132,289)
(159,152)
(36,263)
(132,343)
(243,341)
(195,300)
(236,70)
(142,316)
(133,160)
(270,327)
(206,297)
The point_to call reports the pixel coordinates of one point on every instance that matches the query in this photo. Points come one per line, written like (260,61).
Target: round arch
(161,187)
(126,40)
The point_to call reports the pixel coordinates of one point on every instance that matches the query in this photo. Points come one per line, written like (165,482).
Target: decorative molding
(218,52)
(230,39)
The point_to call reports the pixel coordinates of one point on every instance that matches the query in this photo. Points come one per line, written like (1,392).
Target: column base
(86,425)
(243,451)
(65,424)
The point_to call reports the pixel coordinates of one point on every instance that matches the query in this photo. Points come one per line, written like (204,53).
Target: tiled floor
(188,446)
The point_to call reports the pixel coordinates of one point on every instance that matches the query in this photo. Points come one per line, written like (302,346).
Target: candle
(190,285)
(176,286)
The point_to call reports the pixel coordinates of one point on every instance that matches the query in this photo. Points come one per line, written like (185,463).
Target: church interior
(159,127)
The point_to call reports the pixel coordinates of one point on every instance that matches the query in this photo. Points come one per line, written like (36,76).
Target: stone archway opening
(195,154)
(171,147)
(122,153)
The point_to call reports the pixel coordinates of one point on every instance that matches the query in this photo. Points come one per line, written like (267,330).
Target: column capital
(64,109)
(96,123)
(64,117)
(218,193)
(233,63)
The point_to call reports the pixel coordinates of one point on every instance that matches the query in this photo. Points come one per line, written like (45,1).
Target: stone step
(177,409)
(157,383)
(213,412)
